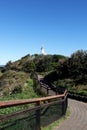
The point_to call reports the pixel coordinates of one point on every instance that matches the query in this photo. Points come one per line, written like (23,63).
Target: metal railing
(45,111)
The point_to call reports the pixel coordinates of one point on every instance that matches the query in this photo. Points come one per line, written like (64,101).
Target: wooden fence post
(63,106)
(38,127)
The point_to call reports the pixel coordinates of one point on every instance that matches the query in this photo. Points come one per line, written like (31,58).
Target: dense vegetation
(38,63)
(60,70)
(71,73)
(15,74)
(13,82)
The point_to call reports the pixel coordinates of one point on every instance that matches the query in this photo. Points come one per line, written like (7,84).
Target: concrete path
(77,119)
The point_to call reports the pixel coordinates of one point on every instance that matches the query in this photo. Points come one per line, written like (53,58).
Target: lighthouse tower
(42,51)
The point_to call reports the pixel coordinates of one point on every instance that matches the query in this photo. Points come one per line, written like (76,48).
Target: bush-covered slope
(39,63)
(13,82)
(14,75)
(71,73)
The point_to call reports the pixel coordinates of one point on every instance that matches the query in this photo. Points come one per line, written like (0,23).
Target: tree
(29,66)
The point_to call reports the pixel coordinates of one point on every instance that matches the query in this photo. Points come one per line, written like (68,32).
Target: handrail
(34,117)
(11,103)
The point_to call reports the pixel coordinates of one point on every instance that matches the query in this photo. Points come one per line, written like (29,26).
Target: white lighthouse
(42,51)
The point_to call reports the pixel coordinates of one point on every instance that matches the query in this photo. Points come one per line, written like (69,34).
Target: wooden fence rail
(39,104)
(11,103)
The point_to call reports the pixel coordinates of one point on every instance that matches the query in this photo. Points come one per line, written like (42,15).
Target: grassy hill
(13,81)
(28,93)
(14,75)
(58,69)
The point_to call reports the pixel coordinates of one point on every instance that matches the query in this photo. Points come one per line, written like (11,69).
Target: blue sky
(26,25)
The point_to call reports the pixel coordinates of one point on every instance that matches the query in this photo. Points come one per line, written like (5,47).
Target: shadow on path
(78,117)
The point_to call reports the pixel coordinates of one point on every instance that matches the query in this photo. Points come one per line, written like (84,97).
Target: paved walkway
(77,119)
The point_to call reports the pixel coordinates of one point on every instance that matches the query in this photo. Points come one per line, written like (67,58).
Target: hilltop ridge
(14,75)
